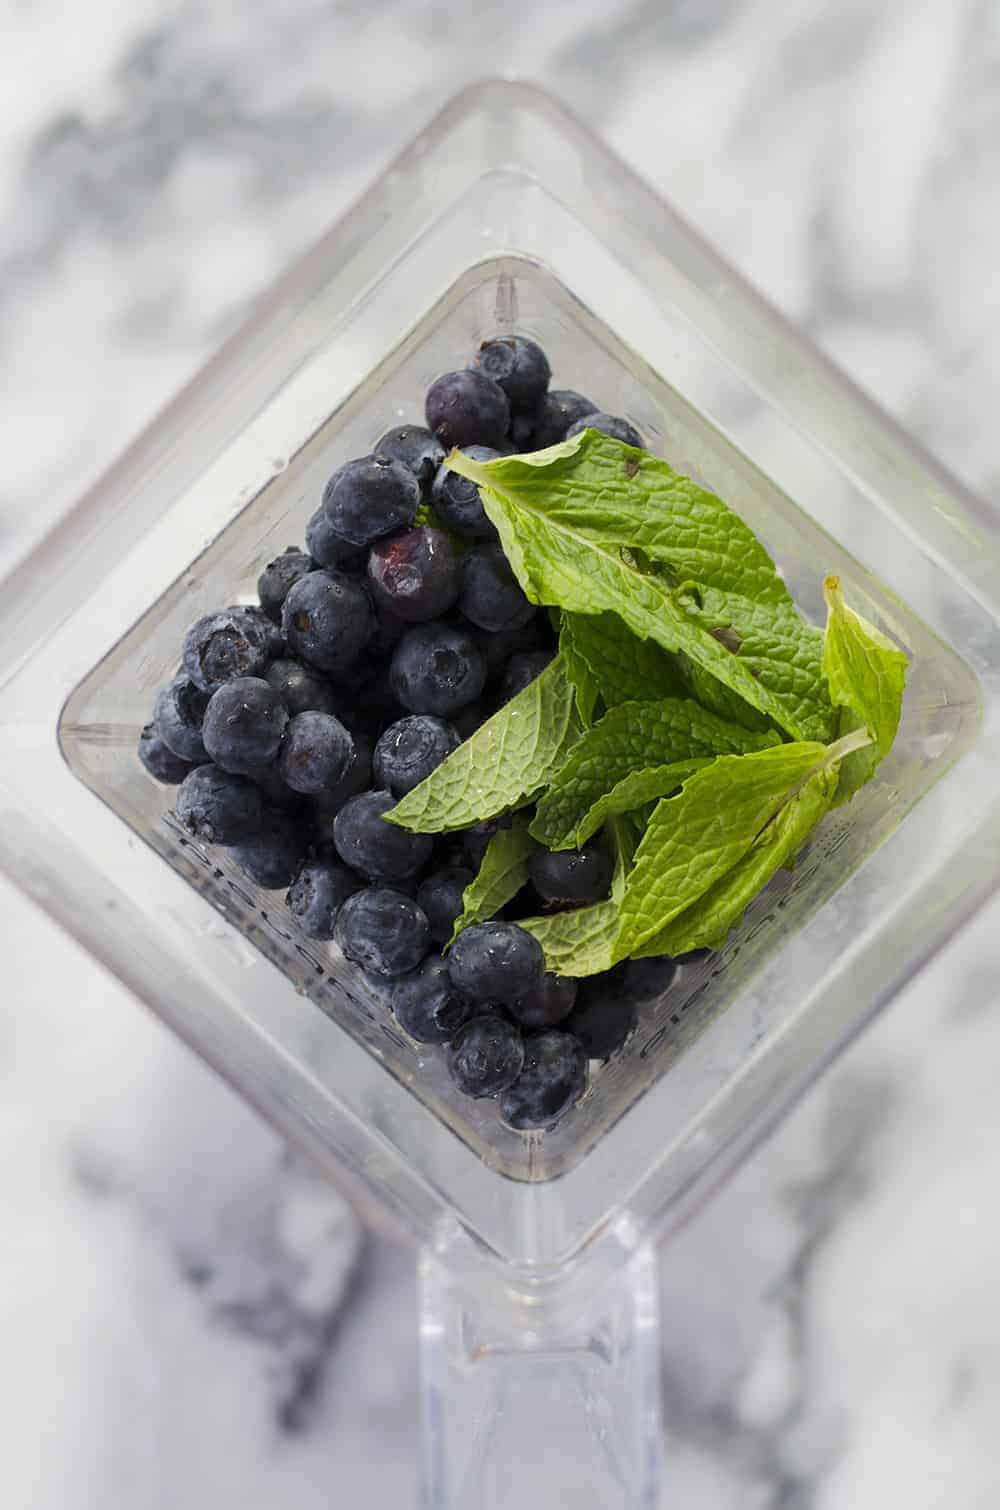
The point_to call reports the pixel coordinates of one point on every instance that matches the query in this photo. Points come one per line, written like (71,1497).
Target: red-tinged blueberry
(278,576)
(245,722)
(415,574)
(611,425)
(218,807)
(496,962)
(491,596)
(549,1004)
(382,930)
(316,753)
(441,895)
(426,1004)
(486,1055)
(521,670)
(328,620)
(330,550)
(604,1016)
(380,850)
(437,668)
(273,856)
(370,497)
(519,366)
(553,1079)
(317,893)
(159,759)
(467,409)
(179,715)
(559,409)
(456,501)
(415,448)
(410,750)
(572,877)
(223,646)
(301,688)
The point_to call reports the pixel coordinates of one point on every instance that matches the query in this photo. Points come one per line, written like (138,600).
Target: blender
(538,1324)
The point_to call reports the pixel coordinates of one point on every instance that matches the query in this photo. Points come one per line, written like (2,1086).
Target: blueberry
(522,433)
(467,409)
(160,760)
(410,750)
(378,849)
(382,930)
(253,614)
(415,448)
(550,1002)
(317,894)
(603,1016)
(559,409)
(441,895)
(486,1055)
(357,778)
(608,424)
(329,550)
(491,596)
(415,575)
(328,620)
(223,646)
(437,668)
(301,688)
(278,576)
(179,715)
(316,753)
(496,962)
(519,366)
(218,807)
(426,1004)
(389,630)
(370,497)
(572,877)
(456,501)
(245,722)
(498,648)
(554,1077)
(272,858)
(646,979)
(276,791)
(469,719)
(521,671)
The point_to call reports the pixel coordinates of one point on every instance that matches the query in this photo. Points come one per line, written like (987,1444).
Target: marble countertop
(188,1316)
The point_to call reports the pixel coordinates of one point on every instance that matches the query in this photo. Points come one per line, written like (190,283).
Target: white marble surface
(187,1317)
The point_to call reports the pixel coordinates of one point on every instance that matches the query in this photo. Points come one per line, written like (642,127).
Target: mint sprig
(504,870)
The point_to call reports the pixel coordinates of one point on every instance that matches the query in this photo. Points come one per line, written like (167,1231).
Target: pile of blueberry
(294,725)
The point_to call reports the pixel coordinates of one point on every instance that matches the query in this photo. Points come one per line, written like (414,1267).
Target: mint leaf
(717,697)
(866,674)
(630,737)
(635,792)
(579,942)
(593,526)
(503,872)
(622,668)
(705,924)
(696,838)
(509,758)
(578,669)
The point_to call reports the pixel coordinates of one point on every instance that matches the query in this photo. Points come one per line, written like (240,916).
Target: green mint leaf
(578,669)
(594,526)
(504,870)
(579,942)
(866,674)
(635,792)
(623,669)
(705,924)
(509,758)
(717,697)
(631,737)
(695,838)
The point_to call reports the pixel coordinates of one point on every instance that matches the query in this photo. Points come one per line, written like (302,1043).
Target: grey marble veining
(188,1315)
